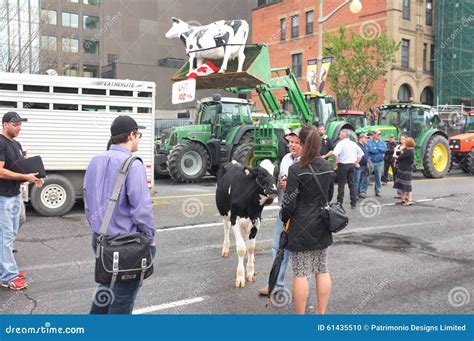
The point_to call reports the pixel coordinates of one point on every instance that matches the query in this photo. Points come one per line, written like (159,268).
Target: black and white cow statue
(223,39)
(241,195)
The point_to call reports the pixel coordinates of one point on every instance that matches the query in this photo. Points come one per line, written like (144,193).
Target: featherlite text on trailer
(69,122)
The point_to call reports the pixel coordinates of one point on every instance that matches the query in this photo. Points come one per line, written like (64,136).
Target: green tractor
(188,152)
(225,130)
(432,153)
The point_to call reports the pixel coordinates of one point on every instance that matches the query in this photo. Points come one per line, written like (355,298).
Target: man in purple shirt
(133,213)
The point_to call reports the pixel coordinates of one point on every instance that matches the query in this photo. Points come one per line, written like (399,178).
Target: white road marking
(165,306)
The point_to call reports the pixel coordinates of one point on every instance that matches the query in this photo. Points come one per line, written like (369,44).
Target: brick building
(290,28)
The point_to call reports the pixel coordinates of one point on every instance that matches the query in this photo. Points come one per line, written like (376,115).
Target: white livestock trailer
(69,122)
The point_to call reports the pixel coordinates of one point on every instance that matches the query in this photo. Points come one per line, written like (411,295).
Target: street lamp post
(355,8)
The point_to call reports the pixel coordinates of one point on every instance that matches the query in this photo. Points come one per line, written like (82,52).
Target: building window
(70,20)
(404,93)
(427,96)
(309,22)
(429,12)
(91,46)
(295,26)
(432,58)
(70,45)
(49,43)
(71,70)
(425,56)
(283,29)
(261,3)
(92,2)
(406,10)
(405,53)
(91,71)
(49,17)
(297,64)
(91,23)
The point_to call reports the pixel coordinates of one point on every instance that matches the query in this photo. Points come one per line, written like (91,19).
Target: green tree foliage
(360,60)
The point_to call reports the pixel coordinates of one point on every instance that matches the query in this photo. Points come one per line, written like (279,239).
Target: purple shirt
(134,210)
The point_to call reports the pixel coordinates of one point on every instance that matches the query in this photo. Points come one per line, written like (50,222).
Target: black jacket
(302,205)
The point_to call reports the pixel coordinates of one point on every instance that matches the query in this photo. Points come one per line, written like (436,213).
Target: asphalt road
(391,259)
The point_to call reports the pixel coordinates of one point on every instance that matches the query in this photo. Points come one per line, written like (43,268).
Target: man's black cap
(12,117)
(123,124)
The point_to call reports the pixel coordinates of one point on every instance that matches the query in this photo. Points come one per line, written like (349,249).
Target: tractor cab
(358,119)
(224,115)
(323,107)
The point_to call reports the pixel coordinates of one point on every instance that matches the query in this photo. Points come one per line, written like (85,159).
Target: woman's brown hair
(410,143)
(311,141)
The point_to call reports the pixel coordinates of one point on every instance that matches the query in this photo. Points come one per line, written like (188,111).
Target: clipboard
(32,164)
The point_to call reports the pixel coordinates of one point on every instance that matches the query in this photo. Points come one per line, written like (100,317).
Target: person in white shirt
(294,145)
(347,155)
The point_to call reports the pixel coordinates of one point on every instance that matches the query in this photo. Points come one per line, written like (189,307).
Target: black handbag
(124,257)
(333,214)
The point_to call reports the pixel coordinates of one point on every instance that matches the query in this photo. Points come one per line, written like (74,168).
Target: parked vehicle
(432,153)
(462,146)
(69,122)
(358,119)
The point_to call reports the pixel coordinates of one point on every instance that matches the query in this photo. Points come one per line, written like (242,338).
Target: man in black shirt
(388,158)
(10,199)
(326,143)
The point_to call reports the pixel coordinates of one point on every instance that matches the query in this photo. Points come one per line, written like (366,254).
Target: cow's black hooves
(253,233)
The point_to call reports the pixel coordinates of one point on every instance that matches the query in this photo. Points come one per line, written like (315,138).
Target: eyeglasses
(139,135)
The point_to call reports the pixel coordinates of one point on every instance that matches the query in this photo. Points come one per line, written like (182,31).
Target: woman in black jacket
(308,236)
(404,172)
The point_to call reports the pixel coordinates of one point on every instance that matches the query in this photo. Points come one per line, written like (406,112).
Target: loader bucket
(256,70)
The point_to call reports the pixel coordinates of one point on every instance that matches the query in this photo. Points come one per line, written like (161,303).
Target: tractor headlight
(454,144)
(265,141)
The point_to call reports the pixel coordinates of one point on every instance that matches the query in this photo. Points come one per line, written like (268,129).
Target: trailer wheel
(55,198)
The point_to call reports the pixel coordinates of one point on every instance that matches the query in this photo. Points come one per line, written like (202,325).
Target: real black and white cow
(222,39)
(241,195)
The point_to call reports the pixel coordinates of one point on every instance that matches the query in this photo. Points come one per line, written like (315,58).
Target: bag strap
(116,192)
(318,183)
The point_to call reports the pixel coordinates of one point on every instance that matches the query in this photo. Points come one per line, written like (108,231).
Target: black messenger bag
(333,214)
(124,257)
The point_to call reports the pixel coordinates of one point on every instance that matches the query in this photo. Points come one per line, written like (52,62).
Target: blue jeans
(378,171)
(284,264)
(9,224)
(361,180)
(119,300)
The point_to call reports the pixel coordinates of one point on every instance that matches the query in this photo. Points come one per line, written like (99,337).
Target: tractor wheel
(188,162)
(161,171)
(243,154)
(436,158)
(247,137)
(467,163)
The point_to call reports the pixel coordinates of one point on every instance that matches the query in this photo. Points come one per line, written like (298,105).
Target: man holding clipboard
(10,199)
